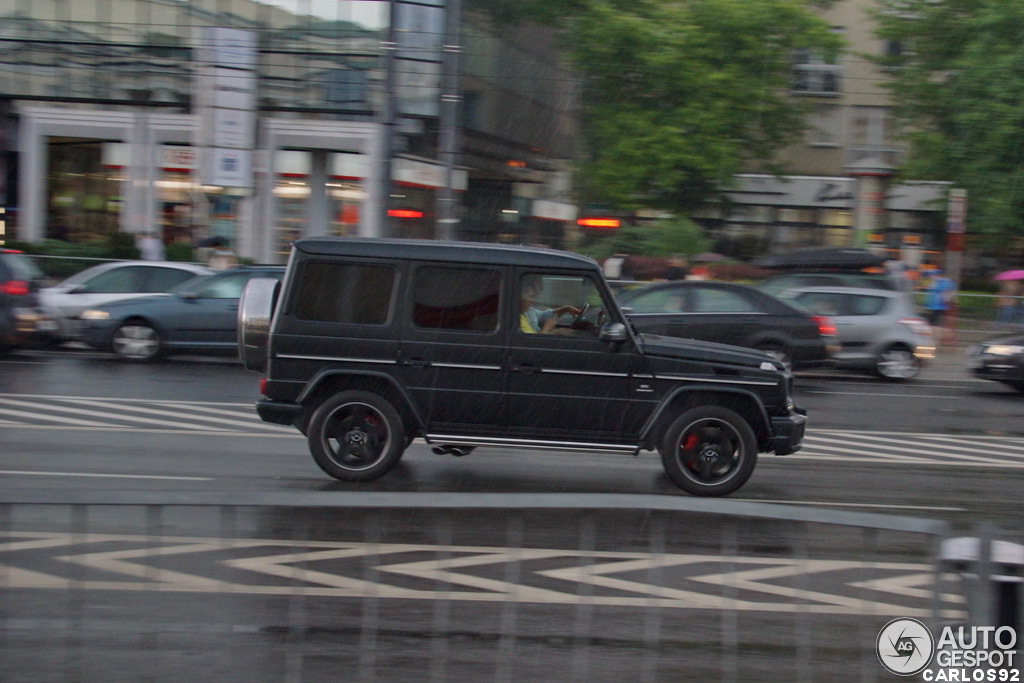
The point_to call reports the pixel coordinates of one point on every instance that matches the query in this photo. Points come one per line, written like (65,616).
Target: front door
(563,382)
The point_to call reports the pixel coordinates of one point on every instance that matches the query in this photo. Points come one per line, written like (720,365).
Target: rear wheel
(137,341)
(897,364)
(356,436)
(709,451)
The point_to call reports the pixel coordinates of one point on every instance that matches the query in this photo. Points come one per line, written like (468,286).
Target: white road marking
(28,473)
(455,573)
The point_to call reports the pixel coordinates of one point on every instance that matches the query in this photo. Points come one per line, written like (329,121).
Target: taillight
(825,326)
(14,287)
(263,386)
(917,325)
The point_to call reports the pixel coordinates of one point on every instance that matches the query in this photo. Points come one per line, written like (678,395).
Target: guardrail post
(992,573)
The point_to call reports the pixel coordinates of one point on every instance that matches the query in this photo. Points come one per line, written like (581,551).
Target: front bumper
(788,433)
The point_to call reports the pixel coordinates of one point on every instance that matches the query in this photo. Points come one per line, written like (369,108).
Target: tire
(356,436)
(779,354)
(897,364)
(709,451)
(136,341)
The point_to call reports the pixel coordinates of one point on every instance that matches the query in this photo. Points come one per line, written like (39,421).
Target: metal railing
(417,586)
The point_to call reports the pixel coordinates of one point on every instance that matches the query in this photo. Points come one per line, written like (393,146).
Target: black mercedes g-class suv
(370,343)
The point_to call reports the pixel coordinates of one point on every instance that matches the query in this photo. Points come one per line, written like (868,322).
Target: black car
(198,316)
(1000,360)
(371,343)
(22,321)
(732,313)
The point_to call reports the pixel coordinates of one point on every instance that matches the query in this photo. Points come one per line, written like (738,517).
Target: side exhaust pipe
(457,451)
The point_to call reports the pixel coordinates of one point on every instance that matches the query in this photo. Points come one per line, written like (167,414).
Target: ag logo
(905,646)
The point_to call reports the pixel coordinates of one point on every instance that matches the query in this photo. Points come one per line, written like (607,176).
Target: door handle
(526,367)
(418,362)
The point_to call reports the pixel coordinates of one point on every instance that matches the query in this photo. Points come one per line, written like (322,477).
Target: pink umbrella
(1010,275)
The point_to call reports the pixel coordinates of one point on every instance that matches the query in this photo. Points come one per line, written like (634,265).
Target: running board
(456,440)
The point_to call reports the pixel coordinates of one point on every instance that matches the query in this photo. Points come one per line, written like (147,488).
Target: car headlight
(93,314)
(1003,349)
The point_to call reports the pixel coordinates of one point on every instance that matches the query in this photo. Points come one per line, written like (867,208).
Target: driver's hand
(571,310)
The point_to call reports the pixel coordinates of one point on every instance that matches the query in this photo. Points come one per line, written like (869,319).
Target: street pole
(387,120)
(956,229)
(447,209)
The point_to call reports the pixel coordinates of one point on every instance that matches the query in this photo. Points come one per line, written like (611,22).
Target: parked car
(776,284)
(1000,359)
(732,313)
(371,343)
(112,281)
(198,316)
(22,321)
(879,330)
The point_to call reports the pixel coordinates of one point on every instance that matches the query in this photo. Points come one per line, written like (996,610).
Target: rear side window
(21,266)
(456,298)
(711,300)
(347,293)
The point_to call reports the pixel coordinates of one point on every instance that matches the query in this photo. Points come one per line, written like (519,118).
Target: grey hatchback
(22,322)
(879,330)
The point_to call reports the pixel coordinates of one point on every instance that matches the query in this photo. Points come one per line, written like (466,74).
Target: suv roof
(461,252)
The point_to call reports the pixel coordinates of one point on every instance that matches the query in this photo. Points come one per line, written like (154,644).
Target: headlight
(1003,349)
(93,314)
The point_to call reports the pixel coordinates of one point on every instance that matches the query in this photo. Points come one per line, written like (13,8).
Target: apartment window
(813,74)
(869,127)
(826,126)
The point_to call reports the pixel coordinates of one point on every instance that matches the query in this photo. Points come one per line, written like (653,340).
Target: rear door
(453,346)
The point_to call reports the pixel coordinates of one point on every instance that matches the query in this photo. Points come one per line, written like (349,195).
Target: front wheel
(137,341)
(897,364)
(356,436)
(709,451)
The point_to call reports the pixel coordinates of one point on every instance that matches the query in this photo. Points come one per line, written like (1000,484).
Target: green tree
(678,95)
(958,81)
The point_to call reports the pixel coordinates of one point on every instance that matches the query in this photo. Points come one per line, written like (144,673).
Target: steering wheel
(582,312)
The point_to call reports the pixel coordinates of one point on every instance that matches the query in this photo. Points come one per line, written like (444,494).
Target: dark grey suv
(368,344)
(22,322)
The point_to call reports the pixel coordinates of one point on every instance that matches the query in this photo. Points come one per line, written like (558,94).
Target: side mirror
(613,333)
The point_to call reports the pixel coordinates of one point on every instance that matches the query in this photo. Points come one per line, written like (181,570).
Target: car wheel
(709,451)
(137,341)
(356,436)
(779,354)
(897,364)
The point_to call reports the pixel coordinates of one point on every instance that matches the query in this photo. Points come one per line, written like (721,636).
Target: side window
(456,298)
(165,279)
(721,301)
(118,281)
(660,301)
(224,287)
(560,304)
(332,292)
(866,305)
(823,303)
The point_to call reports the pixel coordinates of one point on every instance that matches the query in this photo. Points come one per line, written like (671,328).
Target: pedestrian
(938,300)
(1006,302)
(151,247)
(222,258)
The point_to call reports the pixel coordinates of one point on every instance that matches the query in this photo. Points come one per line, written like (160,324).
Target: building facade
(837,189)
(265,120)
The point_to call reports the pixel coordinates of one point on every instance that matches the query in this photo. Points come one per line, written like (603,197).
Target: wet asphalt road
(216,590)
